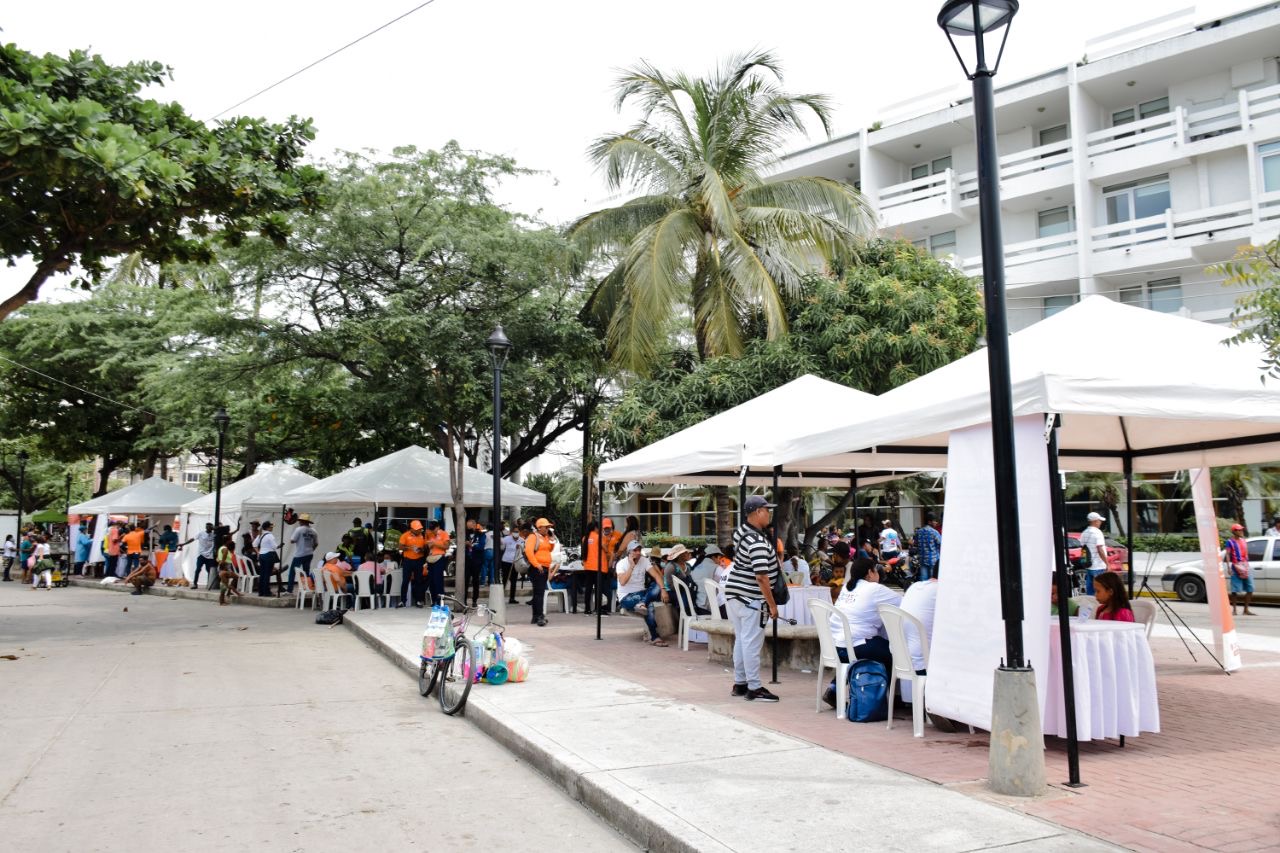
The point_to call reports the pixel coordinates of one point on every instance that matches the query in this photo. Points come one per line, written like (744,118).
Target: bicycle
(460,661)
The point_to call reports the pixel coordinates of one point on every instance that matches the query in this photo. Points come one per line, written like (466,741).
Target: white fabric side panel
(99,531)
(968,631)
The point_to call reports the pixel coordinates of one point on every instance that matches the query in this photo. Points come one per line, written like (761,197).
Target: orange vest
(537,549)
(591,559)
(412,543)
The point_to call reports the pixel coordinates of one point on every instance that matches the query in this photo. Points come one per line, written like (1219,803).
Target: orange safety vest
(538,549)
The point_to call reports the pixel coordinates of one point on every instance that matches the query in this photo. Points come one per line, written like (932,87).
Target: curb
(159,591)
(616,804)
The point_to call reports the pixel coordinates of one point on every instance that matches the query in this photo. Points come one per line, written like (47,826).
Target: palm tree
(1237,482)
(708,231)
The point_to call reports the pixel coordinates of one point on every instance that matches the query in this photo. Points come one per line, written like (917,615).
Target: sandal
(659,642)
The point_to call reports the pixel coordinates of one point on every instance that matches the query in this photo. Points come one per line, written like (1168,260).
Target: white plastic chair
(828,659)
(1087,602)
(689,618)
(332,598)
(895,619)
(364,589)
(564,599)
(392,579)
(246,576)
(713,592)
(1144,612)
(307,589)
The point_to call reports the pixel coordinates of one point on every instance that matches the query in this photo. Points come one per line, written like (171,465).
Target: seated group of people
(644,580)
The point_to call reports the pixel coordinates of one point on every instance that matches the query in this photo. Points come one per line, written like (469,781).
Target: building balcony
(1207,235)
(1179,134)
(1044,259)
(1025,176)
(931,200)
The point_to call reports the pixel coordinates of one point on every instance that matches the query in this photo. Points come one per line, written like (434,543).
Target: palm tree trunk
(725,521)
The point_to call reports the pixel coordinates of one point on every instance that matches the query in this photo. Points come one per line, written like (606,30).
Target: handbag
(781,593)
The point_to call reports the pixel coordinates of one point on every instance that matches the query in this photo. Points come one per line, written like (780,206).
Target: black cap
(755,502)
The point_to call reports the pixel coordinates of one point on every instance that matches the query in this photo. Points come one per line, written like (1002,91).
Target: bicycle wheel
(458,673)
(428,673)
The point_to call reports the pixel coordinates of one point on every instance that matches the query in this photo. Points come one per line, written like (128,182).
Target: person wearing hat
(584,583)
(749,595)
(678,566)
(438,543)
(413,545)
(339,572)
(304,542)
(1236,555)
(268,559)
(715,564)
(538,548)
(1095,546)
(635,570)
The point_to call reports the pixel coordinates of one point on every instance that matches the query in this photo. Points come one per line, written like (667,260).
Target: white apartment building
(1125,175)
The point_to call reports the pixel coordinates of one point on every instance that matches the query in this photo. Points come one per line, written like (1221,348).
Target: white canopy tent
(715,451)
(1159,391)
(154,496)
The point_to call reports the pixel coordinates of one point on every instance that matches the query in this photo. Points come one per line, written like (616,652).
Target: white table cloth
(798,607)
(1115,681)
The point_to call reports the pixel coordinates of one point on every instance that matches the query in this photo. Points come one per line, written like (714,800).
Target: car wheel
(1190,588)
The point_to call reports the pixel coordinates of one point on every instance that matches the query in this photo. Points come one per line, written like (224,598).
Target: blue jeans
(486,577)
(876,648)
(303,563)
(649,597)
(435,579)
(926,571)
(411,581)
(131,562)
(1088,580)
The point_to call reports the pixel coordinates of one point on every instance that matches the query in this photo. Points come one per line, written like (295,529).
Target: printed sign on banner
(1215,581)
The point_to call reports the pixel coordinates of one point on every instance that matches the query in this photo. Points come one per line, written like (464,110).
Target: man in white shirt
(890,543)
(1094,545)
(861,595)
(920,600)
(1274,530)
(268,559)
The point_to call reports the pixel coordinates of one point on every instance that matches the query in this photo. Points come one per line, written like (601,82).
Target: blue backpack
(868,692)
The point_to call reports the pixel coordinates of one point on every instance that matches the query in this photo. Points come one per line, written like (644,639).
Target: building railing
(940,185)
(1171,226)
(1181,126)
(1054,155)
(1028,252)
(1269,206)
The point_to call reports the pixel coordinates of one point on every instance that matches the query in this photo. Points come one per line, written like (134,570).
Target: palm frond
(654,282)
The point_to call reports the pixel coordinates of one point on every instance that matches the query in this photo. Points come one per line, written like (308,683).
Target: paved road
(179,724)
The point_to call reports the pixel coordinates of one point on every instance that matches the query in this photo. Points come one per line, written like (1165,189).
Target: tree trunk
(829,518)
(725,522)
(104,474)
(31,289)
(149,465)
(455,450)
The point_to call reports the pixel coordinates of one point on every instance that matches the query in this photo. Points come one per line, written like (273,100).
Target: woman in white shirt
(38,553)
(861,595)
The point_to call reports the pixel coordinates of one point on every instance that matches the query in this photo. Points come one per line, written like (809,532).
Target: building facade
(1125,176)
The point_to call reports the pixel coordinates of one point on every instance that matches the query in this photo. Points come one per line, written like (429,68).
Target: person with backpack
(749,596)
(1236,555)
(538,548)
(862,594)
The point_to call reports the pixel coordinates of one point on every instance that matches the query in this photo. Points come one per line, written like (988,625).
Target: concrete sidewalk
(678,776)
(161,591)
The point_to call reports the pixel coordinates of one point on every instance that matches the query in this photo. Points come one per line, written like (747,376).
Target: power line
(78,388)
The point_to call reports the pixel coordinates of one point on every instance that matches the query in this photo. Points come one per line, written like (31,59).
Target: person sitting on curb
(144,576)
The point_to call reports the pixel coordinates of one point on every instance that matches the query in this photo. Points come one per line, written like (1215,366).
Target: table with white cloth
(1115,681)
(797,607)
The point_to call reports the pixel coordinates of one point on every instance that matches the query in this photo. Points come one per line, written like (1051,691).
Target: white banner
(968,632)
(1215,582)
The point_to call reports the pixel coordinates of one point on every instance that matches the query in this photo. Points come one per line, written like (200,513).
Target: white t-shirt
(635,583)
(1273,532)
(920,599)
(889,540)
(9,548)
(860,606)
(510,543)
(1092,539)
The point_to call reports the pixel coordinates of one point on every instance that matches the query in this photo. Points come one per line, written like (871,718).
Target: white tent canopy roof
(713,452)
(1164,390)
(413,476)
(154,496)
(266,487)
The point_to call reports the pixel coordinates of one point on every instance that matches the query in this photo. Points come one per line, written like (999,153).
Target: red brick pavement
(1207,781)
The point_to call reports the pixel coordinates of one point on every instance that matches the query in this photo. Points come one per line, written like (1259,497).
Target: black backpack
(330,617)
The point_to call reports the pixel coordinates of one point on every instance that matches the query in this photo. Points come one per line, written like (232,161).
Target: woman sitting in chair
(862,594)
(1113,601)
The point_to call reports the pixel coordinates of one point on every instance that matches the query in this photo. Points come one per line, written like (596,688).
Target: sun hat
(305,517)
(756,502)
(713,551)
(677,551)
(656,551)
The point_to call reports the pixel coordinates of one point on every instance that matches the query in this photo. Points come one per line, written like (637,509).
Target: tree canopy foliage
(91,169)
(1257,312)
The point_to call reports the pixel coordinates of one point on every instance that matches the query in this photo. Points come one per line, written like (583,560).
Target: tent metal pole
(773,648)
(1129,511)
(599,561)
(742,494)
(1062,579)
(853,484)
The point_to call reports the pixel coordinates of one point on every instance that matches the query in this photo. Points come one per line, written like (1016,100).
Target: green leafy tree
(708,231)
(1257,312)
(91,170)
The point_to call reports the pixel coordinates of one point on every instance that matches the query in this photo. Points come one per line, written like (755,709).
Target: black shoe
(830,696)
(761,694)
(136,592)
(739,689)
(533,621)
(513,601)
(542,623)
(605,613)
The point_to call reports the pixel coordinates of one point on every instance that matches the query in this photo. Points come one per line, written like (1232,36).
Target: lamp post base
(1016,764)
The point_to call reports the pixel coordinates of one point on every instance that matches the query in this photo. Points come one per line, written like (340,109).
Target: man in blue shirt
(928,542)
(82,544)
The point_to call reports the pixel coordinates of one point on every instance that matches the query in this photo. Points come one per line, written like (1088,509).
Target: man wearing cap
(268,558)
(1095,546)
(412,551)
(303,541)
(748,592)
(538,546)
(633,570)
(1236,556)
(437,547)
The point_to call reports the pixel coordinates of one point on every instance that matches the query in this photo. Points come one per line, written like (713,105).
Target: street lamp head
(977,19)
(499,347)
(221,420)
(23,456)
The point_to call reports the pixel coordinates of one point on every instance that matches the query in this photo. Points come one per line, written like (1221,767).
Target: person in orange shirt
(437,546)
(339,572)
(538,547)
(583,584)
(133,547)
(413,547)
(612,543)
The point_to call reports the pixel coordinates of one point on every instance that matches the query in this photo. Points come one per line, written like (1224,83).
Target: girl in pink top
(1113,601)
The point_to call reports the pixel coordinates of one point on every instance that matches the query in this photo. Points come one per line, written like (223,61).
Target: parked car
(1186,577)
(1117,554)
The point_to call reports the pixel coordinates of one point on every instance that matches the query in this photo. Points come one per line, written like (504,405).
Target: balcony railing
(1028,252)
(1269,206)
(1180,126)
(940,185)
(1172,226)
(1055,155)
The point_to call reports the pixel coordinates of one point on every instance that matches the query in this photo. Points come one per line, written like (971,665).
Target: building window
(924,170)
(1055,221)
(921,244)
(943,244)
(1137,200)
(1054,304)
(1146,109)
(1270,154)
(655,514)
(1163,295)
(1050,135)
(191,478)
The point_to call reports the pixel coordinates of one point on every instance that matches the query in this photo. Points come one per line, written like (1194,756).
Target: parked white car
(1186,578)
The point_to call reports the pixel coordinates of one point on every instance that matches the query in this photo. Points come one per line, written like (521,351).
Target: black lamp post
(499,349)
(978,20)
(67,510)
(221,420)
(22,484)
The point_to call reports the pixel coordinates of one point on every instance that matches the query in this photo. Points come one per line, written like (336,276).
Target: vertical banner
(1215,581)
(968,629)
